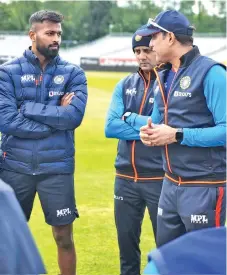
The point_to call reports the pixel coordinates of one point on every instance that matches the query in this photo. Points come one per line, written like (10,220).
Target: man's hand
(66,99)
(157,135)
(144,132)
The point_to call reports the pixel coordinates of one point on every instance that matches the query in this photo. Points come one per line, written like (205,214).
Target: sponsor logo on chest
(131,92)
(55,93)
(182,94)
(27,78)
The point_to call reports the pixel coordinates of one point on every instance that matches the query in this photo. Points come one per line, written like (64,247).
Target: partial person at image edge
(18,252)
(200,252)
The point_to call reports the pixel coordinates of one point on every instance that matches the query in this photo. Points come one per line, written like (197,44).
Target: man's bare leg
(63,236)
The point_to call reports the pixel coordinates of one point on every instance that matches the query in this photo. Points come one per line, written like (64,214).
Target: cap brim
(148,31)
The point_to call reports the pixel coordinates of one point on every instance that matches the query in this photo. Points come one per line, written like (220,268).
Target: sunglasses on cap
(151,23)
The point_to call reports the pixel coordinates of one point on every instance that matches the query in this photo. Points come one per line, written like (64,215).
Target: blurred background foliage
(89,20)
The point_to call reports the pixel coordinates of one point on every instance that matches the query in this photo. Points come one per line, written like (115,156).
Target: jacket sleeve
(12,122)
(115,127)
(62,117)
(137,121)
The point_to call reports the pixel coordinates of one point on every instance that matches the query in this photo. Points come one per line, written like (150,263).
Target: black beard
(47,52)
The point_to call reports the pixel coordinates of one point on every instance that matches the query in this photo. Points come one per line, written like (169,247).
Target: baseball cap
(139,40)
(168,21)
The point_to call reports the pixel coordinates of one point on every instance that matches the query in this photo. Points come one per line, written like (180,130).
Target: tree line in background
(89,20)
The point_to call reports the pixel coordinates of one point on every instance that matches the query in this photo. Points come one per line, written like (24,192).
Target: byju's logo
(28,78)
(55,93)
(131,92)
(182,94)
(63,212)
(199,219)
(118,198)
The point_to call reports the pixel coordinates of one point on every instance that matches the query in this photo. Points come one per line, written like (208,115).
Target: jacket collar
(28,54)
(153,76)
(185,59)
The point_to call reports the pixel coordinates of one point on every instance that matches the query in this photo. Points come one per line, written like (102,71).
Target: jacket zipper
(38,99)
(165,101)
(140,112)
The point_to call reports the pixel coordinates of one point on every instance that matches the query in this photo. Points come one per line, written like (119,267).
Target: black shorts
(56,194)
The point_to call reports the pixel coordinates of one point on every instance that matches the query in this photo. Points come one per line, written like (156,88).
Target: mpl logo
(131,92)
(28,78)
(199,219)
(63,212)
(55,93)
(182,94)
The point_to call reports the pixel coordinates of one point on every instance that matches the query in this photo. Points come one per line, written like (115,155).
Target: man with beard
(42,102)
(139,172)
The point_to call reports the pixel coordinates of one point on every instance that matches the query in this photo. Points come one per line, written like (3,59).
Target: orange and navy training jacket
(134,160)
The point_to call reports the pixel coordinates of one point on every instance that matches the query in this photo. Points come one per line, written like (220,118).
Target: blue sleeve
(12,122)
(215,93)
(156,116)
(151,269)
(137,121)
(62,117)
(115,127)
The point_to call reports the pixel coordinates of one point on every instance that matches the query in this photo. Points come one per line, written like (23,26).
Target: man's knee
(63,237)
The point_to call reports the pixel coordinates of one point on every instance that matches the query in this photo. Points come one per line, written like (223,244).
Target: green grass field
(94,231)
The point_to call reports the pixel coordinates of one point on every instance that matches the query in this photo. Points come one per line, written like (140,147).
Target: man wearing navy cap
(189,122)
(139,172)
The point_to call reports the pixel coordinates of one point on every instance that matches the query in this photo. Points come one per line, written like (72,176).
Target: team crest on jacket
(185,82)
(59,79)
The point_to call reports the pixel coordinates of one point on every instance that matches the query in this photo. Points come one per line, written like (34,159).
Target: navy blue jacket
(197,252)
(186,107)
(38,133)
(134,159)
(18,252)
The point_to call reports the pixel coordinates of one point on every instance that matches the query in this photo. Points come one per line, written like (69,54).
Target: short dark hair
(40,16)
(183,39)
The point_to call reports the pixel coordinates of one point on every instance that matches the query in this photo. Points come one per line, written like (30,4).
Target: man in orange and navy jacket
(139,172)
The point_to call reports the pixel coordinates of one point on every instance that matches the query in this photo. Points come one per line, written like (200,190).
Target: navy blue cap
(139,40)
(168,21)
